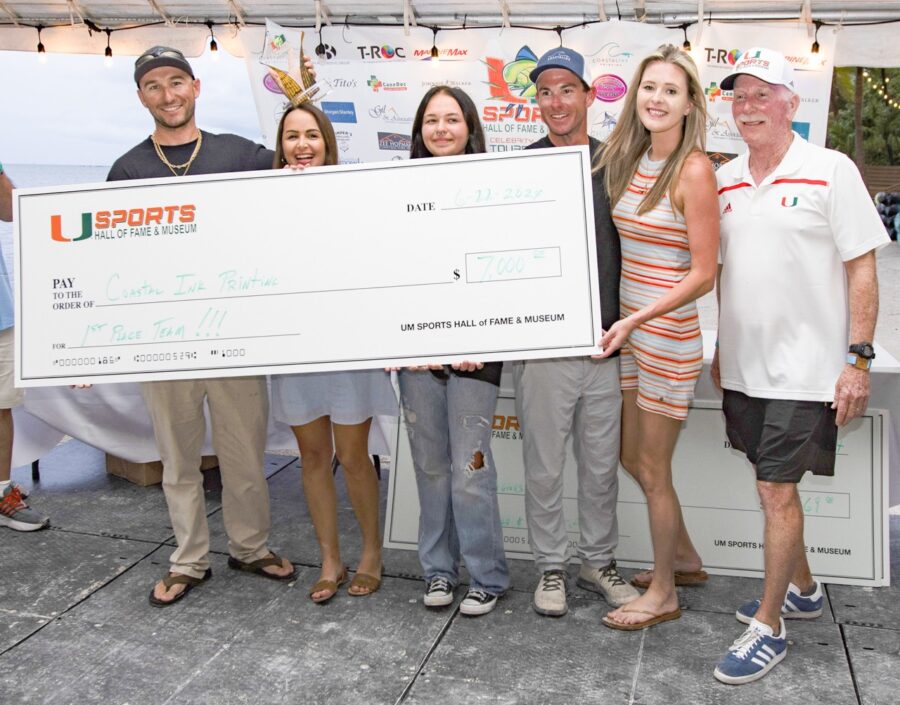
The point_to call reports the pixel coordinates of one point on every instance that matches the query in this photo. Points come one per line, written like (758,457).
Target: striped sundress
(663,357)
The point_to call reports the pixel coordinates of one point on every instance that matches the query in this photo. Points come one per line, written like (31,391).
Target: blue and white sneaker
(795,606)
(753,654)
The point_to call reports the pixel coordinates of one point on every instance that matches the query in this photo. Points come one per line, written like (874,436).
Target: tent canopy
(131,12)
(866,31)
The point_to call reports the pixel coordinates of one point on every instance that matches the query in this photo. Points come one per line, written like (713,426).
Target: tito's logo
(141,219)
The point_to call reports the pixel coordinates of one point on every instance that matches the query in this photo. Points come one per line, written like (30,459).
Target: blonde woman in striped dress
(666,211)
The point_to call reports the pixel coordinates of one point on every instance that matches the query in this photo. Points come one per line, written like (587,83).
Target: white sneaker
(607,582)
(550,594)
(477,602)
(438,593)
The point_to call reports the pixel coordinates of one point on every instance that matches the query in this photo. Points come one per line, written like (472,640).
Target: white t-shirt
(784,316)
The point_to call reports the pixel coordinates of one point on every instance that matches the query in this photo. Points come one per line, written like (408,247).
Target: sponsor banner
(383,73)
(723,44)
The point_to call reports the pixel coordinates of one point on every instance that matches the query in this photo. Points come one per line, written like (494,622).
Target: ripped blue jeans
(449,427)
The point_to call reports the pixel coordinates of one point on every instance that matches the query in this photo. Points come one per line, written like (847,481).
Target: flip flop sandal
(683,578)
(170,579)
(330,585)
(637,626)
(256,567)
(367,582)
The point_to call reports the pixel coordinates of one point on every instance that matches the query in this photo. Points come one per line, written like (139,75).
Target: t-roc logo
(385,51)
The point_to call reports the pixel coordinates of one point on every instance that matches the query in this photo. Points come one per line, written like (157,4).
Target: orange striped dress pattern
(663,357)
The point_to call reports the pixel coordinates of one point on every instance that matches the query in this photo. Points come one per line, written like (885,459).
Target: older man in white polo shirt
(798,301)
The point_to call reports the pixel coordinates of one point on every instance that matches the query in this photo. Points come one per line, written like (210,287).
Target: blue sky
(75,110)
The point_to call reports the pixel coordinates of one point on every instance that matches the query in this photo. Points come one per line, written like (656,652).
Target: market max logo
(385,51)
(510,82)
(448,53)
(124,221)
(394,141)
(378,85)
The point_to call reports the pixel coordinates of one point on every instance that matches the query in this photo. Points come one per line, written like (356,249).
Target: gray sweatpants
(554,398)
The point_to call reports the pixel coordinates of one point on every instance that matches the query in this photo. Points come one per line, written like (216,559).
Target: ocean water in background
(36,176)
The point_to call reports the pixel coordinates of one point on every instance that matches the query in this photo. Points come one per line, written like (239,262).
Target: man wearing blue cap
(579,396)
(794,366)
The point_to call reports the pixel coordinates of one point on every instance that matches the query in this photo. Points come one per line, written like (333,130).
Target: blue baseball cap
(562,58)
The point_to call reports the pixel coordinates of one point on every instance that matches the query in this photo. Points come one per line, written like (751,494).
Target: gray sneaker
(607,582)
(550,594)
(17,515)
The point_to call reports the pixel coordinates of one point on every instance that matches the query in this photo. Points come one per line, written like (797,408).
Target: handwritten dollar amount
(506,265)
(825,504)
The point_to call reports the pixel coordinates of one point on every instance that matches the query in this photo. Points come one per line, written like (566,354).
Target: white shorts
(9,395)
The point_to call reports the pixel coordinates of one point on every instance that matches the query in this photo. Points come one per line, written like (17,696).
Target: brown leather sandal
(369,583)
(256,567)
(330,585)
(170,579)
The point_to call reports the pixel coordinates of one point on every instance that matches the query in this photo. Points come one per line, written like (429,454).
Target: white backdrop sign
(378,75)
(846,515)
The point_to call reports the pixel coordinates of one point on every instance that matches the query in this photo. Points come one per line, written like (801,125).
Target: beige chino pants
(238,410)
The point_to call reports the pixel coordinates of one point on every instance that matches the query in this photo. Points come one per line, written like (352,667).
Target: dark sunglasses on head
(158,53)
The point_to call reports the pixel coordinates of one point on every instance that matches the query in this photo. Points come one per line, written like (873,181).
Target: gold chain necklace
(173,167)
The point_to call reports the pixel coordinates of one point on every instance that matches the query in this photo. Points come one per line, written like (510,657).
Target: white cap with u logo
(765,64)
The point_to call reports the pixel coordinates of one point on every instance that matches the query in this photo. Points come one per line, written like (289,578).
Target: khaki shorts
(9,395)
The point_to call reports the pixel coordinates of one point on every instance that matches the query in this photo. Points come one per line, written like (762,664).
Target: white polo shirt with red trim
(784,313)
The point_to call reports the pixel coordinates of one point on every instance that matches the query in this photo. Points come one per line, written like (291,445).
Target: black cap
(156,57)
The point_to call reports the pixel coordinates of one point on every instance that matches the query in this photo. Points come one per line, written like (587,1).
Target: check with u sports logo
(480,257)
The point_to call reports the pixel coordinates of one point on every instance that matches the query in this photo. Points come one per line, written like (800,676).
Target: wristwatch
(860,355)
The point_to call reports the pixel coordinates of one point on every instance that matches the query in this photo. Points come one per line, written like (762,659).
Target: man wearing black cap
(238,407)
(581,396)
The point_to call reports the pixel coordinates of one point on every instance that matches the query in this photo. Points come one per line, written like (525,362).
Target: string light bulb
(687,42)
(213,44)
(435,54)
(41,50)
(107,54)
(815,45)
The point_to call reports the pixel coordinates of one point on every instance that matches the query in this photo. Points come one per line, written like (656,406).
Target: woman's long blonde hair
(630,140)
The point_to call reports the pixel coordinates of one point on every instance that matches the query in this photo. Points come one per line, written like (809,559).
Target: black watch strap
(863,350)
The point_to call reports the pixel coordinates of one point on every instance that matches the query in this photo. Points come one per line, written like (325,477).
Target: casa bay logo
(118,224)
(385,51)
(609,88)
(378,85)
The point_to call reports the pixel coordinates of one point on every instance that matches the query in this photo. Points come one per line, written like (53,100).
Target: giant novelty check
(435,260)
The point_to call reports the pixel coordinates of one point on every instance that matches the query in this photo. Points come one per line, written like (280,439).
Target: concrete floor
(79,630)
